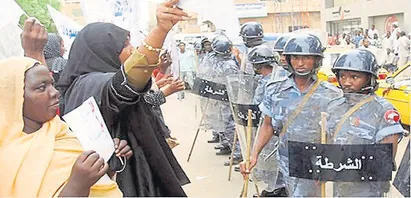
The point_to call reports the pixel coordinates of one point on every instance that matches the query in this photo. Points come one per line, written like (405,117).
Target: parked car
(396,89)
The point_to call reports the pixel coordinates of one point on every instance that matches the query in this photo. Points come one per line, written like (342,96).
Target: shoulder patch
(392,117)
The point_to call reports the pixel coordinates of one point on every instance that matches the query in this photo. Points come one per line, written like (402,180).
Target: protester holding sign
(288,106)
(41,157)
(105,65)
(361,117)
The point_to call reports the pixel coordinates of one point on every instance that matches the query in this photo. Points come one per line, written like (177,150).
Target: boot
(279,192)
(224,151)
(215,139)
(236,161)
(219,146)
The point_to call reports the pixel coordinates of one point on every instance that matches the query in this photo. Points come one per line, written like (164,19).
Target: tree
(38,9)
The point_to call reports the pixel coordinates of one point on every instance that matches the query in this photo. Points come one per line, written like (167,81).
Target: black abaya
(153,169)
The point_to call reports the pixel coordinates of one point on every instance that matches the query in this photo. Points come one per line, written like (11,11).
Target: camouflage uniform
(365,126)
(281,99)
(218,113)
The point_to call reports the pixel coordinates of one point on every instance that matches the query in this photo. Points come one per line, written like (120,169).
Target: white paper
(66,27)
(88,125)
(190,5)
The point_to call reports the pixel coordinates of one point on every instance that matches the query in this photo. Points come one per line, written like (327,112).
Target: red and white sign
(388,23)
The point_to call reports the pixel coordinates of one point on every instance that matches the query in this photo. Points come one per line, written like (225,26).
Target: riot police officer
(215,67)
(279,47)
(288,105)
(265,63)
(252,34)
(373,119)
(263,60)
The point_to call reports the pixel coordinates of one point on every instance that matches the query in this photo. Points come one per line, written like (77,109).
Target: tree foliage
(38,9)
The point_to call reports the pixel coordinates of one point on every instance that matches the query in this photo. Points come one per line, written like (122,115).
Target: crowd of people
(43,158)
(393,47)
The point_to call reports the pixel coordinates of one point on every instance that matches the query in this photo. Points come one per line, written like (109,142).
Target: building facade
(338,16)
(278,16)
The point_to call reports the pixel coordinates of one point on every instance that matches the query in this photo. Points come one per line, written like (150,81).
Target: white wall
(366,10)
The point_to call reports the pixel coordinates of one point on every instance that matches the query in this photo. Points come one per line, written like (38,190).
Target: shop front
(344,26)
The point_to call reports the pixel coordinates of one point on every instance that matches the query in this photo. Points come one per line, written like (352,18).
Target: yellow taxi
(396,89)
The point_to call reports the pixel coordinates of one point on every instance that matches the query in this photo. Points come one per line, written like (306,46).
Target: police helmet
(360,60)
(280,43)
(222,45)
(304,44)
(251,30)
(262,55)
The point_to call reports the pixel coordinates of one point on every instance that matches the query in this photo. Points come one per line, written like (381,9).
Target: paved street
(209,178)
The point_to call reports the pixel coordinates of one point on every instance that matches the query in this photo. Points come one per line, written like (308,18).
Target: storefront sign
(341,13)
(251,10)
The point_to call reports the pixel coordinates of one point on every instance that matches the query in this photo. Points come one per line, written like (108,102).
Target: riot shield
(242,94)
(210,86)
(402,178)
(333,146)
(210,90)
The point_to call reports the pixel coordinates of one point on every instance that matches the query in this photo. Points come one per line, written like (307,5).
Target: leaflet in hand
(88,125)
(190,5)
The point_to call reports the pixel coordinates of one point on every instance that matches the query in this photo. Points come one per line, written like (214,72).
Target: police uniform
(281,99)
(296,114)
(215,67)
(368,125)
(372,121)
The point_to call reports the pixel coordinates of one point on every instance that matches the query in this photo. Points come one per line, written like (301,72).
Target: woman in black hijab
(102,63)
(53,52)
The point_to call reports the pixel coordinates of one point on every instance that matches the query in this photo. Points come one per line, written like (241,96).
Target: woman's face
(126,52)
(41,99)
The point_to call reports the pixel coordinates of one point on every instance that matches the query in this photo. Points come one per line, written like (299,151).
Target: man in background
(372,32)
(187,65)
(403,49)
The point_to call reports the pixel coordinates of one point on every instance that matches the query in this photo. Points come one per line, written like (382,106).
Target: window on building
(77,12)
(329,3)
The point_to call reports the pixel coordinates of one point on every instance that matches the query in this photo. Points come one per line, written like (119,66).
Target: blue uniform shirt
(281,99)
(370,124)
